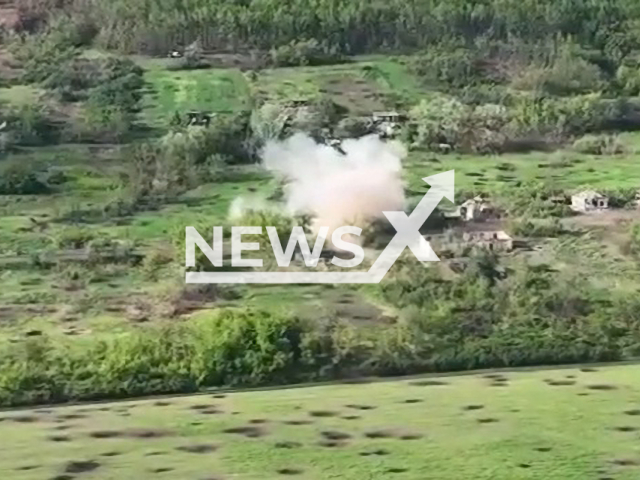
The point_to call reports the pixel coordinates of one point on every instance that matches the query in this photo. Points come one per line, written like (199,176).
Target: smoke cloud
(338,189)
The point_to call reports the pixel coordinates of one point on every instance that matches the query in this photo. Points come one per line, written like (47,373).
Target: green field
(221,91)
(568,424)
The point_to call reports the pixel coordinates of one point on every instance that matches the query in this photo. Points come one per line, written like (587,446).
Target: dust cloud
(335,188)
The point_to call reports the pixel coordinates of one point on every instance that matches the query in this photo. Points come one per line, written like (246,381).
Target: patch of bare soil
(81,466)
(601,387)
(428,383)
(488,420)
(288,445)
(323,413)
(378,452)
(290,471)
(559,383)
(247,431)
(200,448)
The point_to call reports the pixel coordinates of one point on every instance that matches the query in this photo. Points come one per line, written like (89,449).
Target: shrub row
(482,318)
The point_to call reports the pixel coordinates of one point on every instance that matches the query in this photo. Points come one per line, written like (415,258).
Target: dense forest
(353,26)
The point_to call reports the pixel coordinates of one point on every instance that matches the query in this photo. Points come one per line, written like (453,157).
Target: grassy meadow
(569,424)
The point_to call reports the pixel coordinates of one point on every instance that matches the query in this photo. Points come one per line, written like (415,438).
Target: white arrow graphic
(408,235)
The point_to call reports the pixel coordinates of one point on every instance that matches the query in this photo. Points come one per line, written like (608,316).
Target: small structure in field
(589,201)
(201,119)
(387,124)
(175,54)
(497,240)
(477,210)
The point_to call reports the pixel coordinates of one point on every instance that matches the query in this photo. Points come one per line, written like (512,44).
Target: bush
(21,178)
(536,227)
(353,127)
(627,80)
(443,120)
(568,74)
(599,145)
(31,125)
(73,238)
(305,52)
(453,67)
(99,123)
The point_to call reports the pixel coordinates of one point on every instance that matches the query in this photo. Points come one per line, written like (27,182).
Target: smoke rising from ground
(336,189)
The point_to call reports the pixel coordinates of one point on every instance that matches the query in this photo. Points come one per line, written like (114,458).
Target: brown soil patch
(201,448)
(24,419)
(559,383)
(297,422)
(588,370)
(289,471)
(132,433)
(162,404)
(361,407)
(72,416)
(331,443)
(495,376)
(247,431)
(378,452)
(488,420)
(106,434)
(602,387)
(154,454)
(335,435)
(472,407)
(323,413)
(110,454)
(219,395)
(427,383)
(288,445)
(81,466)
(379,434)
(625,428)
(147,433)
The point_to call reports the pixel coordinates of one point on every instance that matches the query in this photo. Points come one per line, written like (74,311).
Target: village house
(589,201)
(495,240)
(476,210)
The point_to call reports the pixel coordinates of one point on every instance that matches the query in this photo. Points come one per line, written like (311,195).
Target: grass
(548,424)
(20,95)
(562,169)
(362,87)
(217,91)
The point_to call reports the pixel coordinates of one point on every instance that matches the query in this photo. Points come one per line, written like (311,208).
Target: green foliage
(31,125)
(445,120)
(21,178)
(536,227)
(599,145)
(73,238)
(300,53)
(567,74)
